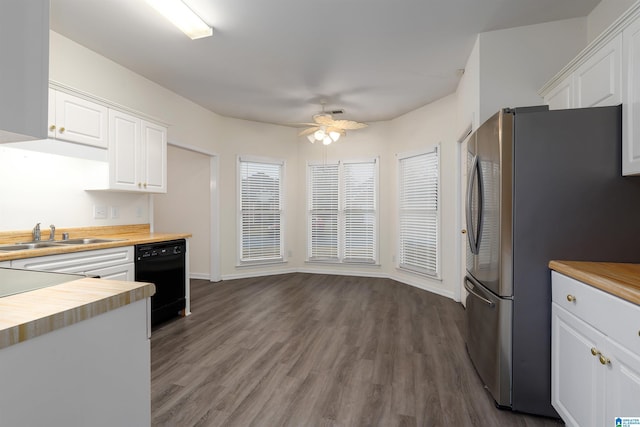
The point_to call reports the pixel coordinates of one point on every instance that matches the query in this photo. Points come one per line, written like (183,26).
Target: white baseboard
(421,285)
(203,276)
(250,274)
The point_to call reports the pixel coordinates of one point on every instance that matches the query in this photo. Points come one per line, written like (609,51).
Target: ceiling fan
(326,129)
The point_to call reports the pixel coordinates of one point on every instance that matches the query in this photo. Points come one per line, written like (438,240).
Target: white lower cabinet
(5,264)
(595,366)
(92,373)
(113,263)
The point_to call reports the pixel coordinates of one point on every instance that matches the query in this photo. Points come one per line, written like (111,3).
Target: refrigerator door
(489,204)
(489,339)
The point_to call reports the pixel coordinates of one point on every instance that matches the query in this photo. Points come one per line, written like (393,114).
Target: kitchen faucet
(52,232)
(35,233)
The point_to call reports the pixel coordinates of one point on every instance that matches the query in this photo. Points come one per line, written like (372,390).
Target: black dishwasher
(163,264)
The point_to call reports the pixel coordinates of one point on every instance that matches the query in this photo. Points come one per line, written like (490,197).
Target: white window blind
(322,239)
(260,211)
(419,206)
(342,219)
(359,203)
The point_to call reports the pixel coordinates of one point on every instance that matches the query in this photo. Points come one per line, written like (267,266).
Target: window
(261,214)
(419,205)
(342,212)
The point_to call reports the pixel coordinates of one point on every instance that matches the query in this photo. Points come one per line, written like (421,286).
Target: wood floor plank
(319,350)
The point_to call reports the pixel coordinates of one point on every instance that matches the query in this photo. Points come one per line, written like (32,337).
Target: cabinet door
(124,151)
(154,157)
(561,96)
(598,81)
(623,382)
(631,102)
(82,262)
(577,378)
(81,121)
(124,272)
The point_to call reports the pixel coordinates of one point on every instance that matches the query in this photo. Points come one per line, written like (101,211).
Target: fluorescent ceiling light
(182,17)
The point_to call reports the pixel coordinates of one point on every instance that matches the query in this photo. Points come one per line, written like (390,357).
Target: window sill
(260,263)
(424,274)
(350,264)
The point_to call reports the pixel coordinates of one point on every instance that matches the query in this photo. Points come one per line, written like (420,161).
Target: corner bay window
(342,222)
(419,212)
(260,210)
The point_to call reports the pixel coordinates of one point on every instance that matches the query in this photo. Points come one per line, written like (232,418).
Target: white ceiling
(273,61)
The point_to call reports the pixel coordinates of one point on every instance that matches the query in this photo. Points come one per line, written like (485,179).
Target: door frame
(460,247)
(215,274)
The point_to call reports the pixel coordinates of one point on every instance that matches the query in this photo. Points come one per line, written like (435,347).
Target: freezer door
(488,204)
(489,339)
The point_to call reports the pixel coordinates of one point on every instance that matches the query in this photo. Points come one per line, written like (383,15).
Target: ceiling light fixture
(180,15)
(324,136)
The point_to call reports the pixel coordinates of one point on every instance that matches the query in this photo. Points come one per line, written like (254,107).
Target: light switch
(99,212)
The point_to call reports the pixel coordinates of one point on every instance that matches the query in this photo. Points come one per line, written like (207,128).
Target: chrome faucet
(52,232)
(35,233)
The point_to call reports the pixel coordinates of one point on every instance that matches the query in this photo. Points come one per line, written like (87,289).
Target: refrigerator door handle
(471,290)
(474,235)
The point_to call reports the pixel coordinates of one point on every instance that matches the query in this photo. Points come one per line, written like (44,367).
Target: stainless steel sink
(86,241)
(25,246)
(22,246)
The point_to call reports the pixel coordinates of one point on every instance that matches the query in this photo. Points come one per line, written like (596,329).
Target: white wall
(515,63)
(186,206)
(604,14)
(468,92)
(51,189)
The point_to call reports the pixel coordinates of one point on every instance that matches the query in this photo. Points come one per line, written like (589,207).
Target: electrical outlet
(115,212)
(99,212)
(138,212)
(289,253)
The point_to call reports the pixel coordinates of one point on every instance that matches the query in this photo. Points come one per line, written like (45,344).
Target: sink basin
(85,241)
(48,244)
(25,246)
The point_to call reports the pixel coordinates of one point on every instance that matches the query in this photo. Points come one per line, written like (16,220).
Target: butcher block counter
(619,279)
(123,235)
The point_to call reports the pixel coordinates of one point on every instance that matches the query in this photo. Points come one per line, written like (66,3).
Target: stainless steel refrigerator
(542,185)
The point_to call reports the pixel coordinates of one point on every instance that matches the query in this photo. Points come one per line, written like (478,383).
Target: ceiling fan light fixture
(311,138)
(180,15)
(335,136)
(327,140)
(319,134)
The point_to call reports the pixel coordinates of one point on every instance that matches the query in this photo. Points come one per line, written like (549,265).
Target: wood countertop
(30,314)
(125,235)
(619,279)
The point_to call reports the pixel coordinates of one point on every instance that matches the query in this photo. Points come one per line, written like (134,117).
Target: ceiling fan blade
(336,129)
(300,124)
(348,124)
(308,131)
(323,119)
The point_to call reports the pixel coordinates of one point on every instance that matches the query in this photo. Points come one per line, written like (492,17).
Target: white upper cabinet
(24,69)
(561,96)
(137,154)
(607,72)
(78,120)
(631,94)
(597,82)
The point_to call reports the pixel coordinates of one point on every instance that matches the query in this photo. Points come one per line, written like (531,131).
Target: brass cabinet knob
(463,231)
(594,351)
(144,185)
(571,298)
(61,129)
(52,128)
(604,360)
(139,184)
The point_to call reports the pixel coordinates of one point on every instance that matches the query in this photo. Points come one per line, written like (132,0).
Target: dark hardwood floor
(318,350)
